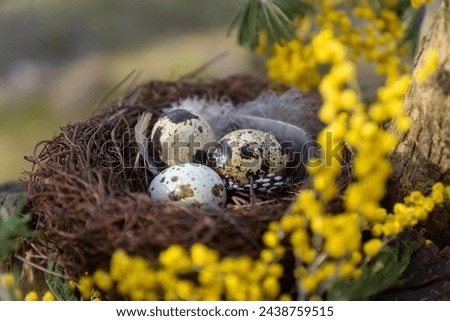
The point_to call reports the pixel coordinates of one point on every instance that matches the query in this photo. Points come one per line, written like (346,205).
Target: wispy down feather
(292,117)
(142,142)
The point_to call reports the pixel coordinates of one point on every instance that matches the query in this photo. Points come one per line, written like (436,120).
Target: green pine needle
(274,16)
(58,285)
(412,32)
(379,274)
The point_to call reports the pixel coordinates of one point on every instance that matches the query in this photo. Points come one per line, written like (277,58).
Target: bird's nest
(89,198)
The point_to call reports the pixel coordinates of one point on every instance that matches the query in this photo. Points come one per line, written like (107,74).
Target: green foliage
(274,16)
(414,19)
(57,284)
(378,274)
(13,227)
(412,32)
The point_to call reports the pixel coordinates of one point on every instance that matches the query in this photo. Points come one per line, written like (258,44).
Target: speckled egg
(180,136)
(189,183)
(248,153)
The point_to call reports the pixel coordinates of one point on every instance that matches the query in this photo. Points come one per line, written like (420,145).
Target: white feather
(292,107)
(142,142)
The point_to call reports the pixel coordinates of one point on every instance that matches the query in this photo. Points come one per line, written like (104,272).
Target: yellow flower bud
(372,247)
(103,280)
(85,285)
(271,287)
(48,296)
(8,280)
(31,296)
(270,239)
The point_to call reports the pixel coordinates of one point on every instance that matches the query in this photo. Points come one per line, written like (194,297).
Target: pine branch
(274,16)
(380,273)
(412,32)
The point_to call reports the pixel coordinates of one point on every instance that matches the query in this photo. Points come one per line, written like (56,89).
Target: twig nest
(179,136)
(248,155)
(189,183)
(89,184)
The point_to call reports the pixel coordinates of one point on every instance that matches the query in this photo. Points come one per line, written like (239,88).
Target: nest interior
(89,198)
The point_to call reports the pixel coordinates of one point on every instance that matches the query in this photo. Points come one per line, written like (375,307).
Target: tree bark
(422,157)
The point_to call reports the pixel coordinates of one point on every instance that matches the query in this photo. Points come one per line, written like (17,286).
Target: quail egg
(195,184)
(180,136)
(246,154)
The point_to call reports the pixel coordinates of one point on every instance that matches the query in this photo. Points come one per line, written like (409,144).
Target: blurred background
(59,58)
